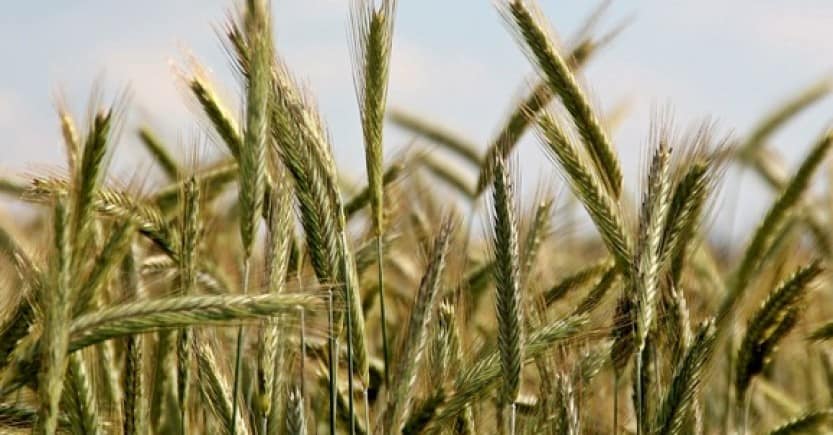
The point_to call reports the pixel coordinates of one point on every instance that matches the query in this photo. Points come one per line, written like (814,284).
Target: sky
(454,62)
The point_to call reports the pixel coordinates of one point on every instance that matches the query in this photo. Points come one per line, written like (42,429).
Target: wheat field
(258,293)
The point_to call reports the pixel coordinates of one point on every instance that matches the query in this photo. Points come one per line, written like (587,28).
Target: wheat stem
(238,355)
(55,335)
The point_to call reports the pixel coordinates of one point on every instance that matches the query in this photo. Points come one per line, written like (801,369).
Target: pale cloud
(780,28)
(7,108)
(463,90)
(28,145)
(617,79)
(805,31)
(416,69)
(324,67)
(315,9)
(416,73)
(151,81)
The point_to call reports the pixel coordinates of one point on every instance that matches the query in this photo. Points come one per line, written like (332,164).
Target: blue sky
(453,61)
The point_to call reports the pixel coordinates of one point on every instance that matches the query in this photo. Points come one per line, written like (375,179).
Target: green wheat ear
(556,71)
(778,314)
(687,381)
(539,97)
(807,423)
(86,180)
(507,282)
(413,345)
(602,207)
(216,113)
(279,238)
(808,96)
(647,279)
(55,341)
(774,220)
(437,134)
(486,372)
(160,153)
(135,415)
(372,34)
(252,154)
(191,228)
